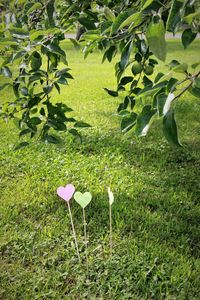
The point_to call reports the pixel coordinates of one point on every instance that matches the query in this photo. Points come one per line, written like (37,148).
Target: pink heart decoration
(67,192)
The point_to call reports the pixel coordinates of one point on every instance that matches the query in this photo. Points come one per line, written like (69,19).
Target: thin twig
(191,78)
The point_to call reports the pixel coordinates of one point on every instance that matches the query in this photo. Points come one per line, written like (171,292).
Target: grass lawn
(156,214)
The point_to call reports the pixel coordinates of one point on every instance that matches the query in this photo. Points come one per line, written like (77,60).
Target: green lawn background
(156,214)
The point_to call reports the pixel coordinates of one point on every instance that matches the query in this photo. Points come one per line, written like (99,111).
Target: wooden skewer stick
(110,217)
(111,200)
(85,238)
(74,232)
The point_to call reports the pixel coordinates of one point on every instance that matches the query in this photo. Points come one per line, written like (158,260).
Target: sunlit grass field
(156,213)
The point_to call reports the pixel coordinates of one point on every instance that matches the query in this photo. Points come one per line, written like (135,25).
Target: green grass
(156,214)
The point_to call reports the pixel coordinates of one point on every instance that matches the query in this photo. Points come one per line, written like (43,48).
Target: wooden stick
(110,217)
(85,237)
(73,230)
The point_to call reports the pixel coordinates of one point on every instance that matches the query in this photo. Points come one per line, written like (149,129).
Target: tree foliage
(30,38)
(30,35)
(136,30)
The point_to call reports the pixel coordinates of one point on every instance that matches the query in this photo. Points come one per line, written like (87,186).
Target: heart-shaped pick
(83,199)
(111,196)
(66,192)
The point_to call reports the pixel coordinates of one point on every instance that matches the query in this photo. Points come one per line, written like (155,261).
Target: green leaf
(195,91)
(126,80)
(147,3)
(4,85)
(123,113)
(21,145)
(197,82)
(195,65)
(7,42)
(143,47)
(187,37)
(39,34)
(171,86)
(128,99)
(168,102)
(62,80)
(35,121)
(138,57)
(105,27)
(52,139)
(34,111)
(55,124)
(35,77)
(87,23)
(109,53)
(68,75)
(75,43)
(146,81)
(161,99)
(88,49)
(125,55)
(36,61)
(6,72)
(47,89)
(174,63)
(18,55)
(151,90)
(158,77)
(143,120)
(24,91)
(50,12)
(35,34)
(70,120)
(119,20)
(34,7)
(16,120)
(56,49)
(75,133)
(16,89)
(57,87)
(25,131)
(181,68)
(64,107)
(111,93)
(62,72)
(134,19)
(128,121)
(81,124)
(120,88)
(189,18)
(19,33)
(42,111)
(170,128)
(155,101)
(91,36)
(153,62)
(174,17)
(155,35)
(109,14)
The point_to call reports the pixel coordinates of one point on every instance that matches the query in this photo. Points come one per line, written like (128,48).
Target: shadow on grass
(166,208)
